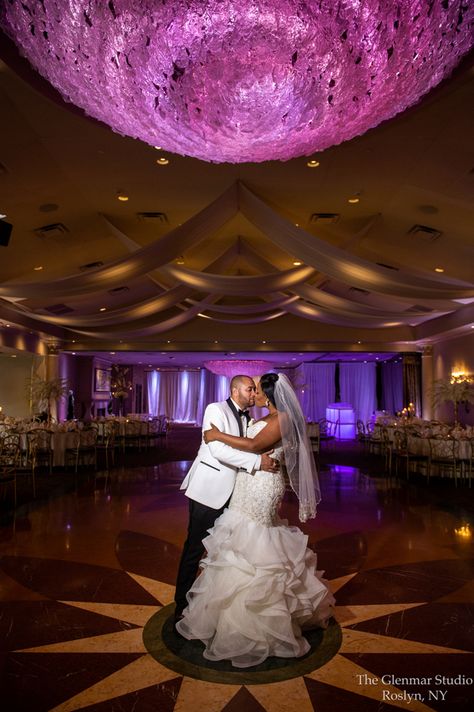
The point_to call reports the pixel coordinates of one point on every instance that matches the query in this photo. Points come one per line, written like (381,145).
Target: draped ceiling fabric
(191,293)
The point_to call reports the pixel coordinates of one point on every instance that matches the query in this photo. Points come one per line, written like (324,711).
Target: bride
(259,586)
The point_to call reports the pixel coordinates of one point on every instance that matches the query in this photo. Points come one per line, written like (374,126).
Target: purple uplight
(242,80)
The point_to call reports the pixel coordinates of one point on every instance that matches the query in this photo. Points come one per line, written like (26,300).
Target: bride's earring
(267,403)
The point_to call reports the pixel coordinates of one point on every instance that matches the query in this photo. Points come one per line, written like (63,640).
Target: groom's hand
(269,464)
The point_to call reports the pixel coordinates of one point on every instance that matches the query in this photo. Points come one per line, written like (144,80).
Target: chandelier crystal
(242,80)
(234,367)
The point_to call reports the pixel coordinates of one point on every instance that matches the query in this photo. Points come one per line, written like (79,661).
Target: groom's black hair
(267,383)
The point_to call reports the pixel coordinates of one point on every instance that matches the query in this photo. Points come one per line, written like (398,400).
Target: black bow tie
(245,413)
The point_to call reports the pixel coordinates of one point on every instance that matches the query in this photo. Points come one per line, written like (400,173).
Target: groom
(210,481)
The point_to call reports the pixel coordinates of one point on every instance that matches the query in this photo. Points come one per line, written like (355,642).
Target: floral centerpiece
(120,385)
(456,390)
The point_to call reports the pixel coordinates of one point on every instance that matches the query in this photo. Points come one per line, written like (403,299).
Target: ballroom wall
(14,373)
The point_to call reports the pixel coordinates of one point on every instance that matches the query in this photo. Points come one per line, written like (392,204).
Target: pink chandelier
(234,367)
(242,80)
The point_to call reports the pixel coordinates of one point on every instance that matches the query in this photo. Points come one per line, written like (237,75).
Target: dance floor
(87,579)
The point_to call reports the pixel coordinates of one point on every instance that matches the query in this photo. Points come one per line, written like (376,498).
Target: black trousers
(201,518)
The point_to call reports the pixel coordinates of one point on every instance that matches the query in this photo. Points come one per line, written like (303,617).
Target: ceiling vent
(153,216)
(419,308)
(119,290)
(429,234)
(53,230)
(358,290)
(58,309)
(383,264)
(324,284)
(91,265)
(324,218)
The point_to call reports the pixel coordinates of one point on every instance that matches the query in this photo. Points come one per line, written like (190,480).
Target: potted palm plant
(44,393)
(455,390)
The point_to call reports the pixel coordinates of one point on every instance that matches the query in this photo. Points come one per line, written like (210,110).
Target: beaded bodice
(258,496)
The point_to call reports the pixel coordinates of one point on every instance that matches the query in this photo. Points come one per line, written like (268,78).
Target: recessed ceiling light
(264,342)
(180,260)
(162,161)
(103,309)
(13,355)
(112,353)
(158,148)
(38,268)
(439,269)
(3,215)
(122,197)
(73,353)
(355,199)
(312,164)
(297,263)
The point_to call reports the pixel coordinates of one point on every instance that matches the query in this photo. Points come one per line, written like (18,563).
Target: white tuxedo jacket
(211,478)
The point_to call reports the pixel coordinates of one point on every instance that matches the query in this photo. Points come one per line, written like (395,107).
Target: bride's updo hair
(267,383)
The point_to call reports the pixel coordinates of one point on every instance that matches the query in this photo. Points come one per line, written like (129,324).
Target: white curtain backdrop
(183,395)
(315,386)
(392,380)
(357,382)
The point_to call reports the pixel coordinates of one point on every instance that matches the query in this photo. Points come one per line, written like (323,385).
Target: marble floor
(87,579)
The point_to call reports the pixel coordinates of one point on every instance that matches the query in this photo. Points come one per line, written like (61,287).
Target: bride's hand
(211,434)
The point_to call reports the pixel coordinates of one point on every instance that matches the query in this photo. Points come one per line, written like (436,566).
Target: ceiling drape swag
(332,261)
(198,292)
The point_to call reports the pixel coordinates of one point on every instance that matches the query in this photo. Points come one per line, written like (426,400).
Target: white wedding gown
(258,585)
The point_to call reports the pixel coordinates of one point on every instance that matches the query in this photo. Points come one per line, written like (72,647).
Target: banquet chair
(363,435)
(376,440)
(154,431)
(107,443)
(87,450)
(82,448)
(444,454)
(9,461)
(133,436)
(326,431)
(39,449)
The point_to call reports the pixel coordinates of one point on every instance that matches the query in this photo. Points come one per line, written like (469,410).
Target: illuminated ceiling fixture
(297,263)
(235,80)
(122,197)
(162,161)
(439,269)
(312,164)
(233,367)
(38,268)
(355,199)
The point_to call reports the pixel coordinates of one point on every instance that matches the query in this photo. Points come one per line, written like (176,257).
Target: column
(427,380)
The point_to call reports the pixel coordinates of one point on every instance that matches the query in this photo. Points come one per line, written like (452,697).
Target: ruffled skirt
(258,587)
